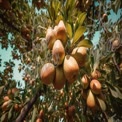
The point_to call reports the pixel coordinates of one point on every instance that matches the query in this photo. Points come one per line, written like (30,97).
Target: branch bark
(27,107)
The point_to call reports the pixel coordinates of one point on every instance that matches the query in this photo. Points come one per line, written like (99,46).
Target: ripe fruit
(5,104)
(5,4)
(59,78)
(47,73)
(58,52)
(50,37)
(85,81)
(115,43)
(14,90)
(71,68)
(6,98)
(39,120)
(41,114)
(90,101)
(95,86)
(105,18)
(80,54)
(95,74)
(61,32)
(71,111)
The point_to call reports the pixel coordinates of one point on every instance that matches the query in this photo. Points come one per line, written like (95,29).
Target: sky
(5,55)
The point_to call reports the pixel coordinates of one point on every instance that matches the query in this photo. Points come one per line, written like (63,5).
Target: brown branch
(27,107)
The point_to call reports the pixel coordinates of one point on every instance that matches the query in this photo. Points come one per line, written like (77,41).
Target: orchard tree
(66,76)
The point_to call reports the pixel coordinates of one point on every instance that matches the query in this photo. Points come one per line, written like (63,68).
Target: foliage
(27,22)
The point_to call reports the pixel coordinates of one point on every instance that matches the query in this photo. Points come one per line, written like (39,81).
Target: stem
(27,107)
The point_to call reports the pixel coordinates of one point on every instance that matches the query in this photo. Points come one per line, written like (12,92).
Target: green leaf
(81,18)
(1,89)
(85,43)
(3,118)
(34,114)
(118,92)
(114,93)
(10,113)
(79,32)
(102,104)
(69,29)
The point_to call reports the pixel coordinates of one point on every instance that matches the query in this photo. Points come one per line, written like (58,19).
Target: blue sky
(5,55)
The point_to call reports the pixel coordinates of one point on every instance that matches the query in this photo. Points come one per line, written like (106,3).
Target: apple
(47,73)
(95,86)
(60,31)
(59,78)
(90,101)
(50,37)
(80,54)
(71,68)
(58,52)
(85,81)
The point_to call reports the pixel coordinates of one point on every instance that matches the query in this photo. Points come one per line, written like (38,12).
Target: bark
(27,107)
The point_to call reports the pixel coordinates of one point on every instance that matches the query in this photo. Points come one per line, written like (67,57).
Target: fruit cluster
(65,67)
(92,88)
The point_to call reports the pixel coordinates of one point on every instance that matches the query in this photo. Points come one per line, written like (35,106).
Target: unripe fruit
(90,101)
(85,82)
(58,52)
(50,37)
(95,74)
(47,73)
(95,86)
(71,68)
(60,31)
(80,54)
(59,78)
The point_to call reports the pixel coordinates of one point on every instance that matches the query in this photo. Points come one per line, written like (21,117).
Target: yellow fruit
(59,78)
(58,52)
(95,86)
(80,54)
(47,73)
(71,68)
(85,82)
(95,74)
(50,37)
(90,101)
(60,31)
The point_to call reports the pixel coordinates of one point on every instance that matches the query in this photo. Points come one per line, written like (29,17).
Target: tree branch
(27,107)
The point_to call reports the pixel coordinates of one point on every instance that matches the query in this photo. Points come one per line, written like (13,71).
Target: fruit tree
(67,76)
